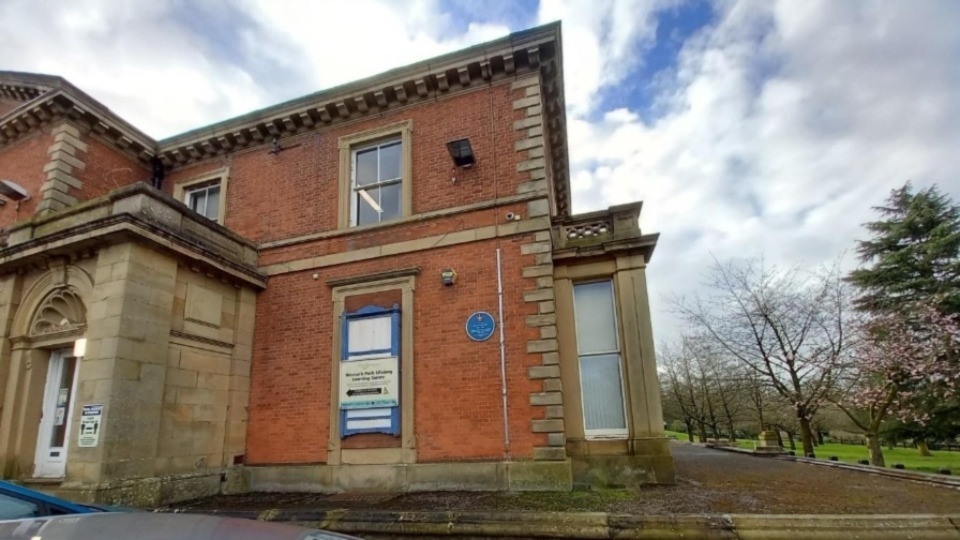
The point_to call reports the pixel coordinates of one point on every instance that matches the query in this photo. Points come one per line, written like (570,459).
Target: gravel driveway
(708,482)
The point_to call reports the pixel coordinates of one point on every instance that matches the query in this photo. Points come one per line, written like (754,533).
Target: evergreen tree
(914,258)
(915,251)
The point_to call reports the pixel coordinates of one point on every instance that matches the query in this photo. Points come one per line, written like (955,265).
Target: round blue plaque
(480,326)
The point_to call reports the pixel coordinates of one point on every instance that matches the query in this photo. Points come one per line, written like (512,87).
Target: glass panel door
(52,440)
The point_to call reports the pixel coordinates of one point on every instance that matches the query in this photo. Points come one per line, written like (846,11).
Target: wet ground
(708,482)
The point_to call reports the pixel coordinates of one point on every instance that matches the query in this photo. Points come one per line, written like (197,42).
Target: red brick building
(377,286)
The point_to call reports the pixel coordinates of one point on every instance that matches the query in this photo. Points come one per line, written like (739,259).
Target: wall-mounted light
(448,276)
(13,191)
(462,153)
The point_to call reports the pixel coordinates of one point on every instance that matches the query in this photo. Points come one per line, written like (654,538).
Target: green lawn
(850,453)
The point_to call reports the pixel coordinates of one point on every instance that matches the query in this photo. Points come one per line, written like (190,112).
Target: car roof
(155,526)
(15,489)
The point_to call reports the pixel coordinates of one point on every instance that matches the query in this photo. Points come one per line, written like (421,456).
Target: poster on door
(90,426)
(371,383)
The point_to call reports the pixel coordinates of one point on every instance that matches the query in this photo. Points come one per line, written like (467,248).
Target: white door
(52,439)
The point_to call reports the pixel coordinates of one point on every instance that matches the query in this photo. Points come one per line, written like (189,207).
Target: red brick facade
(458,414)
(24,162)
(284,184)
(278,196)
(106,170)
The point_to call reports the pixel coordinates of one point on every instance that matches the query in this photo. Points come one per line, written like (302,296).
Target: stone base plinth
(474,476)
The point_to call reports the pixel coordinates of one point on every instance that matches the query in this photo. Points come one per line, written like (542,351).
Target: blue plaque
(480,326)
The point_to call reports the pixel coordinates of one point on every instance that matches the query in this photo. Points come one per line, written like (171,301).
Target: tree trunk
(702,429)
(820,437)
(876,452)
(924,449)
(689,431)
(779,436)
(733,432)
(793,445)
(806,437)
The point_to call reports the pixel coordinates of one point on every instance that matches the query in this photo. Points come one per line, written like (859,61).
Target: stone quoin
(281,301)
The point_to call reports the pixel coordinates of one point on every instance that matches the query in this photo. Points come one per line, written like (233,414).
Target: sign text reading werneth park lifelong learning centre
(369,383)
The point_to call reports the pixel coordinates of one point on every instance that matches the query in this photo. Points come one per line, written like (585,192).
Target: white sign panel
(369,383)
(90,426)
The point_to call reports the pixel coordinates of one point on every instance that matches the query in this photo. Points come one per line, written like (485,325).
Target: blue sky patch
(638,90)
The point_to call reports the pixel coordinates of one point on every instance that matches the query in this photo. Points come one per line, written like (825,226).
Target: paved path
(709,482)
(736,483)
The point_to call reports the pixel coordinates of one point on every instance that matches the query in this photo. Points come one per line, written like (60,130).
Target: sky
(747,127)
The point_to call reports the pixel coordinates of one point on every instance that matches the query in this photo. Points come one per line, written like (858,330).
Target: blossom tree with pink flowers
(902,361)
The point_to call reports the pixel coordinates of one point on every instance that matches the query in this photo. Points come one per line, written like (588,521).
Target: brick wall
(106,170)
(295,192)
(61,167)
(457,381)
(23,163)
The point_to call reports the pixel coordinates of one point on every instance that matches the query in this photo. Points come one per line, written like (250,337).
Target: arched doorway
(41,375)
(59,320)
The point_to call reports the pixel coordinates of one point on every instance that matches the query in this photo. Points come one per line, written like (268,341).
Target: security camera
(512,216)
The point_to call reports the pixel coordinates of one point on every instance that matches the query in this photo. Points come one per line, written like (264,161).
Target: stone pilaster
(66,158)
(545,321)
(530,145)
(124,369)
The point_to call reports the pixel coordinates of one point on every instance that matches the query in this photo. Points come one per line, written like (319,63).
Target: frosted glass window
(601,381)
(596,318)
(369,334)
(602,392)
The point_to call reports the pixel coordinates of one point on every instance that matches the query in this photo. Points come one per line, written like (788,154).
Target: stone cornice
(55,99)
(615,230)
(537,50)
(140,213)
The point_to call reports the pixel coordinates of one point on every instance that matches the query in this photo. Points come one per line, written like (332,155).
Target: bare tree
(683,389)
(720,373)
(699,385)
(757,391)
(787,327)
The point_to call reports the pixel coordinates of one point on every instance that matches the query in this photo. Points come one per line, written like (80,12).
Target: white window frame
(184,191)
(603,433)
(348,145)
(192,192)
(355,190)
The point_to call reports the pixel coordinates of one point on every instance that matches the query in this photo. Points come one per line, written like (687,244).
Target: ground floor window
(598,347)
(370,371)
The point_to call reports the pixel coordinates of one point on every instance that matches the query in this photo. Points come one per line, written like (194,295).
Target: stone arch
(57,302)
(62,310)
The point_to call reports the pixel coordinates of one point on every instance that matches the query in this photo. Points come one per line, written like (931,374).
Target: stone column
(9,373)
(124,369)
(646,414)
(237,410)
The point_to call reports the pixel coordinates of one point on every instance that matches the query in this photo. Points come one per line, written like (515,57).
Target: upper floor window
(375,175)
(205,200)
(205,194)
(376,182)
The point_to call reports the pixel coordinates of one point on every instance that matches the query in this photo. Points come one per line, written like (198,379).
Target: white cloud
(601,39)
(782,123)
(172,66)
(785,124)
(134,57)
(331,43)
